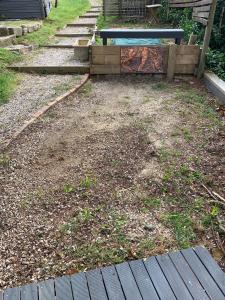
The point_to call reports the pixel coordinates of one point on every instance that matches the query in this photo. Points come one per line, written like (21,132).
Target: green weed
(159,86)
(87,183)
(4,160)
(68,189)
(152,202)
(182,227)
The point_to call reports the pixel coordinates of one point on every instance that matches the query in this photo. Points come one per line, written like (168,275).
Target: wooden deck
(187,274)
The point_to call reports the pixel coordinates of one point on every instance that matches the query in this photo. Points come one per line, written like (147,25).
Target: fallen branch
(218,196)
(217,202)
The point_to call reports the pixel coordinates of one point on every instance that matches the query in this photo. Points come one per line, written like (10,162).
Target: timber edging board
(184,275)
(79,69)
(215,85)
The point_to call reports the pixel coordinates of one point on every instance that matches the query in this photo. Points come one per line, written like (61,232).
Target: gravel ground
(51,57)
(33,92)
(89,184)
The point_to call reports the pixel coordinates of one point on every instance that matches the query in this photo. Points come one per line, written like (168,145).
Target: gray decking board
(143,280)
(12,294)
(63,288)
(128,282)
(46,290)
(204,277)
(188,276)
(182,275)
(96,285)
(112,283)
(80,287)
(212,267)
(159,280)
(29,292)
(173,277)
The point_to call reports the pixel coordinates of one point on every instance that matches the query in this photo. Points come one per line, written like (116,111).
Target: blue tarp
(133,42)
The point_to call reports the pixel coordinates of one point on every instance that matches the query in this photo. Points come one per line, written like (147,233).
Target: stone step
(7,40)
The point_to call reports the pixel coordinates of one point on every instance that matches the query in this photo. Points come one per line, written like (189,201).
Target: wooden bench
(176,34)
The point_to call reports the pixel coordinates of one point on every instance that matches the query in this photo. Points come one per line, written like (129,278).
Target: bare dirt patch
(114,173)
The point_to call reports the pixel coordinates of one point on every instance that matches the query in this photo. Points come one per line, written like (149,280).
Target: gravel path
(33,92)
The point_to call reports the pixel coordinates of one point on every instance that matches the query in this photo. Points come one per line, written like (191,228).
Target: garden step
(54,61)
(79,68)
(89,15)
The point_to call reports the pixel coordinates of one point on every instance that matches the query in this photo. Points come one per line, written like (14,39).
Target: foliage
(182,227)
(66,11)
(183,18)
(7,78)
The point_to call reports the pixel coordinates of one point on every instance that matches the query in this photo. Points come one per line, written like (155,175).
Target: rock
(22,49)
(7,40)
(18,31)
(24,30)
(149,227)
(30,29)
(4,31)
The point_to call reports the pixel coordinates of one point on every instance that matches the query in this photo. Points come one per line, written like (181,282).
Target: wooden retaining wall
(165,59)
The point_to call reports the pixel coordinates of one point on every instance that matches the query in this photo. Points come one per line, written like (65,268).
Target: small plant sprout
(87,183)
(68,189)
(4,160)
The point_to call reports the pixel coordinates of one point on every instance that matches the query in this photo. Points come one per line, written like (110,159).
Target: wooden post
(207,37)
(192,39)
(56,3)
(171,61)
(120,8)
(104,9)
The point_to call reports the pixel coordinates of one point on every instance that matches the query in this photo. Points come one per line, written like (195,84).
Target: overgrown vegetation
(66,11)
(183,19)
(8,78)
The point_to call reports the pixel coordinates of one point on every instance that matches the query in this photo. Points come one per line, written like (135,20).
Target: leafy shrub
(182,18)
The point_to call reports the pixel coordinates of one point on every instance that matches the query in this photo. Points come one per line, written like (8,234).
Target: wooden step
(82,68)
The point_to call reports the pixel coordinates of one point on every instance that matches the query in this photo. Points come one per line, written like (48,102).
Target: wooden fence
(164,59)
(125,8)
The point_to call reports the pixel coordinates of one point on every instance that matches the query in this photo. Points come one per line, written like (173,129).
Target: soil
(94,180)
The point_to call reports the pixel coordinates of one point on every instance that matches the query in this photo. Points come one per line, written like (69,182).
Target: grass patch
(159,86)
(8,79)
(66,12)
(182,227)
(86,90)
